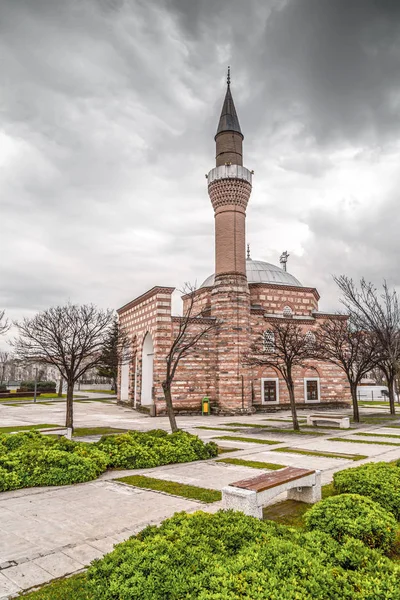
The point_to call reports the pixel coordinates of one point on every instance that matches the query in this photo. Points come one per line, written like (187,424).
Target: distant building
(244,294)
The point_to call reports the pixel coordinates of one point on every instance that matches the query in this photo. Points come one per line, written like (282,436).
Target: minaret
(229,188)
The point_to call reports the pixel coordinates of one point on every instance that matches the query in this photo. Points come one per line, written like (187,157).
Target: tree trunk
(69,422)
(170,408)
(391,394)
(356,412)
(114,384)
(60,387)
(290,387)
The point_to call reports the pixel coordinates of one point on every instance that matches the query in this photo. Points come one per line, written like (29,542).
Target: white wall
(147,370)
(125,382)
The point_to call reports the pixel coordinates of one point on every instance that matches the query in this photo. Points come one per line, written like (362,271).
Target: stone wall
(273,298)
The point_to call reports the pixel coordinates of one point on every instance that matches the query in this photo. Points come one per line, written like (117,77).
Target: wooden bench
(342,420)
(251,495)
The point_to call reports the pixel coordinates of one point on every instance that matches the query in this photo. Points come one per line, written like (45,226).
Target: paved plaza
(50,532)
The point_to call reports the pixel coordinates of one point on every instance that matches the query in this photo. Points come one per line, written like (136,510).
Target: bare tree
(117,350)
(69,337)
(378,314)
(283,346)
(4,360)
(352,350)
(4,324)
(192,327)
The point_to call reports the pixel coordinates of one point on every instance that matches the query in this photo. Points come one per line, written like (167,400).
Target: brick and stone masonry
(244,295)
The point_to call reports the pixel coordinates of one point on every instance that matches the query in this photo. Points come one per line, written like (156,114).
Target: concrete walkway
(50,532)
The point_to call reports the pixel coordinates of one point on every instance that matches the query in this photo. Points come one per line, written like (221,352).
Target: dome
(259,271)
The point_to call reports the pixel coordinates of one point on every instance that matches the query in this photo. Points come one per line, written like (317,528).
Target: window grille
(287,312)
(269,341)
(310,338)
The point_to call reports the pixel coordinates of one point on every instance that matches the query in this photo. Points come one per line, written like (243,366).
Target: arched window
(269,341)
(287,312)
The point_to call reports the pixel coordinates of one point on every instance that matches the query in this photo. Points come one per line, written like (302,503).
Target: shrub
(378,481)
(139,450)
(229,556)
(355,516)
(45,386)
(31,459)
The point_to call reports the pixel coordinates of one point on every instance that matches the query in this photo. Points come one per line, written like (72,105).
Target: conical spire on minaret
(228,120)
(229,136)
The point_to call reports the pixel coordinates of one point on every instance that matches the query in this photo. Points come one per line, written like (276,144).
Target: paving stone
(27,575)
(7,586)
(58,564)
(84,553)
(105,545)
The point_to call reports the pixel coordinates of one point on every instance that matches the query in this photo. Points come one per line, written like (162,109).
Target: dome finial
(248,252)
(283,259)
(228,78)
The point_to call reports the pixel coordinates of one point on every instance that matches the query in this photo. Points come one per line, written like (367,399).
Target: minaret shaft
(229,188)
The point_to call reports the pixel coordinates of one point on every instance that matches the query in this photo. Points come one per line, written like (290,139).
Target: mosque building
(244,295)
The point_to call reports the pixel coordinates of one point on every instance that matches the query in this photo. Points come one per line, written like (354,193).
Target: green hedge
(140,450)
(378,481)
(29,386)
(30,459)
(355,516)
(229,556)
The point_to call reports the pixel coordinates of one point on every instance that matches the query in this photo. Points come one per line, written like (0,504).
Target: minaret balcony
(229,172)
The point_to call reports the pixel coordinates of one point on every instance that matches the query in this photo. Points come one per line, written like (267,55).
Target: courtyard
(50,532)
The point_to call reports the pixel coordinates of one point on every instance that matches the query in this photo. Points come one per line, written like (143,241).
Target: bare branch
(192,328)
(379,315)
(70,337)
(4,324)
(290,347)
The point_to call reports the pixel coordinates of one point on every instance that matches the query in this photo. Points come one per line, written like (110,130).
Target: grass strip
(254,425)
(389,435)
(321,454)
(82,431)
(293,432)
(391,426)
(73,588)
(273,429)
(214,428)
(254,464)
(346,440)
(224,450)
(100,392)
(14,428)
(300,420)
(191,492)
(236,438)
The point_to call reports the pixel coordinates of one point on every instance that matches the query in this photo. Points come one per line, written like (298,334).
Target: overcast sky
(108,115)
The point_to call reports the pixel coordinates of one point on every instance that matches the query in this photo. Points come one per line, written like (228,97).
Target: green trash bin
(205,406)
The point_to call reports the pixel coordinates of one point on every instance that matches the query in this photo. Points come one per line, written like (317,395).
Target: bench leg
(310,494)
(243,500)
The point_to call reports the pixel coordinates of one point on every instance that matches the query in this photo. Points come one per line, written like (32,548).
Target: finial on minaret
(283,259)
(228,79)
(248,252)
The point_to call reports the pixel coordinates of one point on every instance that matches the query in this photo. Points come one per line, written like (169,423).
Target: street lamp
(35,388)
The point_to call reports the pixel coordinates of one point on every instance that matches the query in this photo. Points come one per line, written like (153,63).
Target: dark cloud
(109,109)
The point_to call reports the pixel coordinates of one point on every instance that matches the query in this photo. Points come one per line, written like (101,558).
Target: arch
(147,370)
(310,371)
